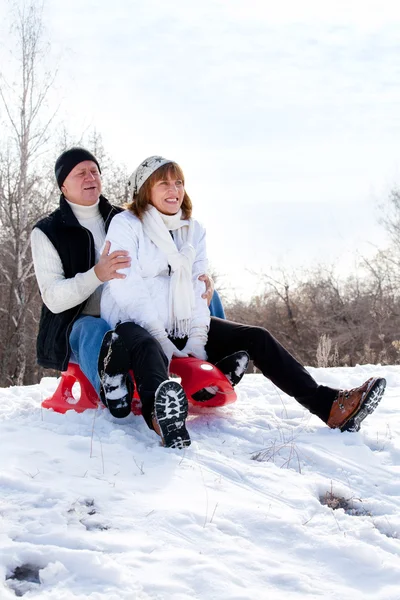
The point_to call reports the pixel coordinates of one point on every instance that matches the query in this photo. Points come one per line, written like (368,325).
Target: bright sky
(284,116)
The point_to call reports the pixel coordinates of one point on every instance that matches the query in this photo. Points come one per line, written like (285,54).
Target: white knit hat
(143,172)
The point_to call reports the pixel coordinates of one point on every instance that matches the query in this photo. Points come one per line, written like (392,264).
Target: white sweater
(59,293)
(142,296)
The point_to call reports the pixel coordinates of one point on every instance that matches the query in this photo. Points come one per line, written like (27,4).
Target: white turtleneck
(59,293)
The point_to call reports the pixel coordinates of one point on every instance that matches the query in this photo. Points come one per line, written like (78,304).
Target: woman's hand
(171,350)
(208,294)
(195,348)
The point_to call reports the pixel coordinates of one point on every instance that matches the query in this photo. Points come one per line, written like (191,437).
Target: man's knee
(93,328)
(88,331)
(259,336)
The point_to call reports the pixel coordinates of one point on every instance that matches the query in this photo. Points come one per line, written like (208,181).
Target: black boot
(116,389)
(170,412)
(233,367)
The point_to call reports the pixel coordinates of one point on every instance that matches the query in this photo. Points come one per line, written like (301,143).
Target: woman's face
(167,195)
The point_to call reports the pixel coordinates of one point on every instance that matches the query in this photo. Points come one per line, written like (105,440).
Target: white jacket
(142,296)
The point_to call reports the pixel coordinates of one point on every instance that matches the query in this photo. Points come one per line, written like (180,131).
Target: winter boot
(116,390)
(350,407)
(170,412)
(233,367)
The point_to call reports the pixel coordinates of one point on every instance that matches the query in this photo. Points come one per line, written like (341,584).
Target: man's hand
(208,294)
(108,264)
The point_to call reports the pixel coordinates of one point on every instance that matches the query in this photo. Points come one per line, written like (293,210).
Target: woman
(161,296)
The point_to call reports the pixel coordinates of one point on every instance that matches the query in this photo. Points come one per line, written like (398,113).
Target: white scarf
(181,295)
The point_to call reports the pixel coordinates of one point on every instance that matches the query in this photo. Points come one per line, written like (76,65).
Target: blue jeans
(216,308)
(85,340)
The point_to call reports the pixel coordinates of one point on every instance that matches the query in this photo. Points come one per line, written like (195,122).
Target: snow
(93,508)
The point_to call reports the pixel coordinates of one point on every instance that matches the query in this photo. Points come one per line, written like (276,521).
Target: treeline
(327,321)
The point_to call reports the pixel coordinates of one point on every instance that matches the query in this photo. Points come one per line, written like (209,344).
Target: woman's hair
(141,200)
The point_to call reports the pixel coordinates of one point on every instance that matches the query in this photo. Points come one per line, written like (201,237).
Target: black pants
(148,363)
(273,360)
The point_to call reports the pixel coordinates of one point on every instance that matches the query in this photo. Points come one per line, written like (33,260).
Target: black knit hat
(68,160)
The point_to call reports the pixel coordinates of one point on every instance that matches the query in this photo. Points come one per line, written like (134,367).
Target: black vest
(75,247)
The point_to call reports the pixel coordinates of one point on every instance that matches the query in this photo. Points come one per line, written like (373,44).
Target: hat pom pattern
(143,172)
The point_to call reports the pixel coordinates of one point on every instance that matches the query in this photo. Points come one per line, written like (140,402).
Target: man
(70,269)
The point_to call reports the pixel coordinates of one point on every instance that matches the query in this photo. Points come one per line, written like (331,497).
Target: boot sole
(171,410)
(371,401)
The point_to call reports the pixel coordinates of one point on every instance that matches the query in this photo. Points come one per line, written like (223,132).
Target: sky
(284,116)
(95,509)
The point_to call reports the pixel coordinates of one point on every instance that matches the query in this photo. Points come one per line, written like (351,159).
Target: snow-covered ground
(94,508)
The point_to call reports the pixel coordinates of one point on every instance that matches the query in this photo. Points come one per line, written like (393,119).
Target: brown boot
(350,407)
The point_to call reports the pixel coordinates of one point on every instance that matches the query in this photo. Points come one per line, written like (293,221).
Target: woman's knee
(131,333)
(140,341)
(155,347)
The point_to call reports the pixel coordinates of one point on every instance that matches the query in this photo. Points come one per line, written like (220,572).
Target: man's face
(83,184)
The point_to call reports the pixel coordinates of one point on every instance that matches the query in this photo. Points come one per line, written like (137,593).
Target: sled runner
(195,375)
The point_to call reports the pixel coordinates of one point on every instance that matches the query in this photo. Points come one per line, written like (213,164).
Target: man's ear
(63,189)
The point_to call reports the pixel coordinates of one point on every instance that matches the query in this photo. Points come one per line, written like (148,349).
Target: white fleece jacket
(142,296)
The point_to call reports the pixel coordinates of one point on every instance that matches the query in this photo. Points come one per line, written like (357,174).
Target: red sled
(195,375)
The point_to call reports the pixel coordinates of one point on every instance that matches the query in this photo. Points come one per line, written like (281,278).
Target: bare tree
(338,321)
(114,176)
(25,190)
(390,218)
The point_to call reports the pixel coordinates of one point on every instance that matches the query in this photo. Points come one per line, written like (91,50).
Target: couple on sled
(127,289)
